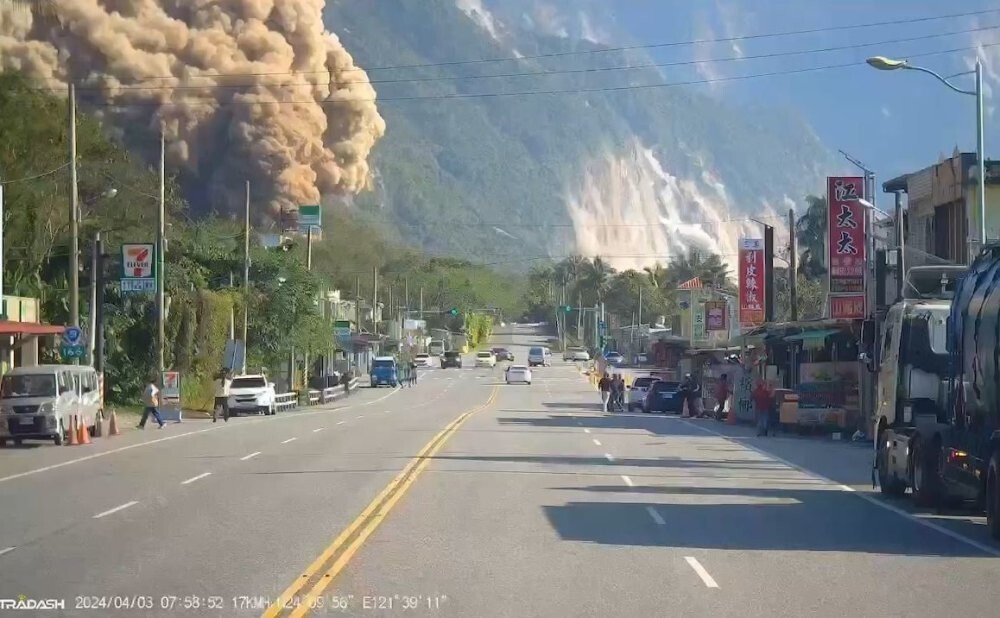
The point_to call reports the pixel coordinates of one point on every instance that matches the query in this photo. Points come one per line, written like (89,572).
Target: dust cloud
(243,89)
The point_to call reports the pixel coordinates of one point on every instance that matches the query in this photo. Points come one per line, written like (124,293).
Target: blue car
(384,371)
(665,397)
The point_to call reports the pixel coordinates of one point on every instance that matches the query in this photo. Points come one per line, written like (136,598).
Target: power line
(36,176)
(545,73)
(483,95)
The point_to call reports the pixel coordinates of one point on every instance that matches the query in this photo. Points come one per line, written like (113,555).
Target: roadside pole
(74,218)
(246,275)
(95,260)
(793,296)
(375,302)
(161,246)
(3,301)
(309,248)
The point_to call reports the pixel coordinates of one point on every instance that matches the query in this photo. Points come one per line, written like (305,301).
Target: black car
(451,359)
(503,354)
(665,397)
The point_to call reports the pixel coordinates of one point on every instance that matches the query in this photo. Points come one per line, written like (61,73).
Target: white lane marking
(341,422)
(71,462)
(585,430)
(360,416)
(609,456)
(628,481)
(700,570)
(318,429)
(195,478)
(656,516)
(986,549)
(289,440)
(6,550)
(597,442)
(250,456)
(120,507)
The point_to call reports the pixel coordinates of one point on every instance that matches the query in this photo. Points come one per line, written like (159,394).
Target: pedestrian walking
(604,385)
(618,393)
(722,394)
(345,381)
(222,386)
(150,402)
(690,390)
(763,401)
(413,372)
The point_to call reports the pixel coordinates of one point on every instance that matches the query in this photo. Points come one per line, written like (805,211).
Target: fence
(287,401)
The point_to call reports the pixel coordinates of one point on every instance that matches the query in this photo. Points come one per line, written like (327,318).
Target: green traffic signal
(454,311)
(566,308)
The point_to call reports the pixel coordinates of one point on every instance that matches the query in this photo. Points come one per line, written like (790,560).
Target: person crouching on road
(604,385)
(721,397)
(222,385)
(150,402)
(763,400)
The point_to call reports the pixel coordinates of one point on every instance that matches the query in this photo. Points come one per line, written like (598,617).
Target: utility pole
(74,217)
(99,310)
(406,297)
(95,261)
(246,273)
(161,246)
(900,246)
(357,317)
(375,300)
(792,268)
(563,318)
(232,311)
(421,302)
(638,321)
(3,302)
(309,248)
(768,274)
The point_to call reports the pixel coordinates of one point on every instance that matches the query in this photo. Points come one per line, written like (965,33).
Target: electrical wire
(441,78)
(36,176)
(484,95)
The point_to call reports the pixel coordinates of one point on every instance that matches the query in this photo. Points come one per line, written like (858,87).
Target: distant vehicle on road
(664,396)
(422,360)
(451,358)
(486,359)
(436,347)
(251,393)
(37,402)
(384,370)
(502,354)
(539,356)
(637,392)
(615,358)
(518,373)
(576,354)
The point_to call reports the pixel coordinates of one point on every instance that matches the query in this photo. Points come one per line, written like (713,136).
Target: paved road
(467,497)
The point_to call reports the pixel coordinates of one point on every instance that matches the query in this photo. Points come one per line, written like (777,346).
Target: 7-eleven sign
(137,260)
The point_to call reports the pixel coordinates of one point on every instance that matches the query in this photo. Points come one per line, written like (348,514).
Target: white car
(251,393)
(576,354)
(422,360)
(637,392)
(518,373)
(486,359)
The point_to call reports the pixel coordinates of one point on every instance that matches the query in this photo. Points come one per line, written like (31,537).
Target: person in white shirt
(150,402)
(222,385)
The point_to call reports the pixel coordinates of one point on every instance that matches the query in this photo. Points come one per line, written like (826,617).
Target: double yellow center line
(348,542)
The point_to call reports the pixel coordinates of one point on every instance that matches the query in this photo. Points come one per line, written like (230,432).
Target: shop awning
(29,328)
(812,335)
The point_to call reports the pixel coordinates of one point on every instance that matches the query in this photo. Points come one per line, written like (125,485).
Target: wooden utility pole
(74,218)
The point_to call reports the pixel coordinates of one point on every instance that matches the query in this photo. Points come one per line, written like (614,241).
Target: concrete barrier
(286,401)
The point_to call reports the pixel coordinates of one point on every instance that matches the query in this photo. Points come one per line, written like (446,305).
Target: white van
(39,402)
(539,356)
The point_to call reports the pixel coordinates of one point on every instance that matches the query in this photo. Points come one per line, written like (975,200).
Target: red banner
(752,282)
(846,225)
(847,307)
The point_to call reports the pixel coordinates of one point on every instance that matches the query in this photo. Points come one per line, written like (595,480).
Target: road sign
(138,268)
(310,215)
(72,343)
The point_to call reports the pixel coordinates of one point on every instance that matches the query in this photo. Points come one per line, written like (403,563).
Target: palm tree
(596,278)
(658,275)
(810,231)
(711,269)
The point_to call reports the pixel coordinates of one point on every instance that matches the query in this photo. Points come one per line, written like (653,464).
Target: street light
(889,64)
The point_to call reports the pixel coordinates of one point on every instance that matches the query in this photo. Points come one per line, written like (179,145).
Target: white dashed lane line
(597,442)
(288,440)
(6,550)
(341,422)
(700,570)
(628,481)
(195,478)
(318,429)
(609,456)
(120,507)
(250,456)
(585,430)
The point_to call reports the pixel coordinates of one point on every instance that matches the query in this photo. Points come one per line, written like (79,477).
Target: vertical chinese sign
(752,282)
(846,247)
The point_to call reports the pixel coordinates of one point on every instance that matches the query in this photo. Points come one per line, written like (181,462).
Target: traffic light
(603,341)
(566,308)
(453,311)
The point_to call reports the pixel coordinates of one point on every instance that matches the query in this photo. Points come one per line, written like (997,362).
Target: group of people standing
(612,392)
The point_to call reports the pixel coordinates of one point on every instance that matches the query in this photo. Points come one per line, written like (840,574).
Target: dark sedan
(451,359)
(665,397)
(502,354)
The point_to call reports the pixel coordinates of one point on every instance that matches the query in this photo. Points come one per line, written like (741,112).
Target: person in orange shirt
(763,400)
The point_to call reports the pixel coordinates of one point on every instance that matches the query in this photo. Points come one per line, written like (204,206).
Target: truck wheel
(993,496)
(889,485)
(926,475)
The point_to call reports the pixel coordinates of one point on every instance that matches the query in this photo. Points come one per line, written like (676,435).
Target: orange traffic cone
(74,436)
(84,432)
(113,427)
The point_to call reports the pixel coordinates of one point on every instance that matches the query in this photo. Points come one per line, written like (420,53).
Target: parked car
(664,396)
(251,393)
(614,358)
(637,392)
(518,373)
(451,358)
(576,354)
(37,402)
(422,360)
(384,370)
(486,359)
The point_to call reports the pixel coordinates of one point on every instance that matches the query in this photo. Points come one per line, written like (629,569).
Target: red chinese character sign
(847,307)
(846,221)
(752,282)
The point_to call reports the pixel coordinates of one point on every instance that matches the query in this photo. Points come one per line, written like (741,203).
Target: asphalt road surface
(464,496)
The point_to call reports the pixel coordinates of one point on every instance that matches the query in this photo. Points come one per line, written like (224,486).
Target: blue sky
(894,122)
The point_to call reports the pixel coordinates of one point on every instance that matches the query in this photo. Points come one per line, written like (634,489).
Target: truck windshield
(924,348)
(383,364)
(28,386)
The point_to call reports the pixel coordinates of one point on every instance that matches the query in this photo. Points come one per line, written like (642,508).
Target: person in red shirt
(763,400)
